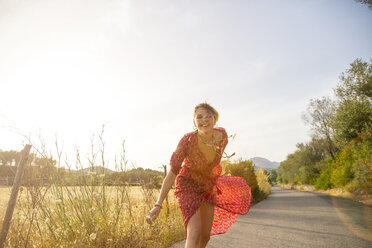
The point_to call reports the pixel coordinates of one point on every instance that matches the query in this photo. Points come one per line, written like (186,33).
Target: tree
(319,113)
(301,166)
(353,112)
(273,175)
(7,157)
(356,82)
(367,2)
(263,182)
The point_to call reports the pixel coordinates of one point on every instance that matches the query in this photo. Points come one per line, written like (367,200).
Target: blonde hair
(209,108)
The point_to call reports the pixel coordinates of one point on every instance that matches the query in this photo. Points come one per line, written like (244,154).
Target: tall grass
(91,214)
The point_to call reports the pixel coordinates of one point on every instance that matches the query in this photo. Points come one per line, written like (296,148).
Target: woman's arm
(167,185)
(175,166)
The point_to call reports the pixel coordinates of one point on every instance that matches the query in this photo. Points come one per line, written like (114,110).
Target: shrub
(263,184)
(342,176)
(244,169)
(353,165)
(362,165)
(324,179)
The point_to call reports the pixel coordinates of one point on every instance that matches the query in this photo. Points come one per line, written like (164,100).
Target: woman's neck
(206,136)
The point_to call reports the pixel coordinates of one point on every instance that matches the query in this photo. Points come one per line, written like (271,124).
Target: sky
(68,67)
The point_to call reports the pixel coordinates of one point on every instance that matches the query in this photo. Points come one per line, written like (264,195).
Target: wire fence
(6,181)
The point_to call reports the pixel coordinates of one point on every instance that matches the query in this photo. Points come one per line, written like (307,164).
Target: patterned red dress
(198,181)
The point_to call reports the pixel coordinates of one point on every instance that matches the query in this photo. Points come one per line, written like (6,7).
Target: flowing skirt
(230,196)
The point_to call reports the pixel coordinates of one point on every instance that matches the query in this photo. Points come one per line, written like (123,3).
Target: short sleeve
(225,138)
(179,155)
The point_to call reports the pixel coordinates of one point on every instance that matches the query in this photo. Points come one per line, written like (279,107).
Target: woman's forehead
(202,111)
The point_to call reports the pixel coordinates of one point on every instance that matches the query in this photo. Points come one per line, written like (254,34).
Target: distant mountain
(264,163)
(97,169)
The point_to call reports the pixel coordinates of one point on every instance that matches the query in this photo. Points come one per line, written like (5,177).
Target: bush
(324,179)
(362,165)
(263,184)
(342,176)
(353,166)
(244,169)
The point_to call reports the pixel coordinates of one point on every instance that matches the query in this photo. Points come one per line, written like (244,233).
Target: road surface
(290,218)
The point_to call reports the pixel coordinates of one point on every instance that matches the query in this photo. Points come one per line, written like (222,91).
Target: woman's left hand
(153,214)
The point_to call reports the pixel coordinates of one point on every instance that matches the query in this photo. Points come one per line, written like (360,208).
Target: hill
(264,163)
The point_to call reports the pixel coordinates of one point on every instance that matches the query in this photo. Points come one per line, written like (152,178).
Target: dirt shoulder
(339,192)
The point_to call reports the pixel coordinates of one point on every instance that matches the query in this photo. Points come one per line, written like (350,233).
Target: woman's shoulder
(221,130)
(222,136)
(188,136)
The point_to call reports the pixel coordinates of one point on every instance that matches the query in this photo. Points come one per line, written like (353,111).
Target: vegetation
(263,183)
(258,181)
(367,2)
(44,169)
(339,154)
(272,176)
(78,208)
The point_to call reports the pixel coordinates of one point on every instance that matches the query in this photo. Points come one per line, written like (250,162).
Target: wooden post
(13,195)
(166,198)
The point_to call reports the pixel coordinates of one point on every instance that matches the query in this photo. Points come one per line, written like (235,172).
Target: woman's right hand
(153,214)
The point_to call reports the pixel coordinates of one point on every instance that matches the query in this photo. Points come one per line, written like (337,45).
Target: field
(4,198)
(90,216)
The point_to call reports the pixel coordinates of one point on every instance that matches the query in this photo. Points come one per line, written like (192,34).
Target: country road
(289,218)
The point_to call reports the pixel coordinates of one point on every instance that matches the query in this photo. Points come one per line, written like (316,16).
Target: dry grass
(89,215)
(365,199)
(71,217)
(4,198)
(339,192)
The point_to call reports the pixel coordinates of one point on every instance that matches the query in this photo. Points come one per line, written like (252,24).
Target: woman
(210,203)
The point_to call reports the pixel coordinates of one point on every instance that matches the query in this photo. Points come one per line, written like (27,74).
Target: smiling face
(204,120)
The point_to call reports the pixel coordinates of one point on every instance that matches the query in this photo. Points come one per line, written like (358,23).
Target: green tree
(301,166)
(273,176)
(353,112)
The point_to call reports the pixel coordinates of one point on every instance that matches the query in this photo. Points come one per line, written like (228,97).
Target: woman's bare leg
(194,230)
(206,217)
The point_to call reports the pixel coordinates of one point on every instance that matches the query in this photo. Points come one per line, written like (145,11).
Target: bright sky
(140,67)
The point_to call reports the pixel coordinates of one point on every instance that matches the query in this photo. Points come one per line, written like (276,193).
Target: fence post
(13,195)
(166,198)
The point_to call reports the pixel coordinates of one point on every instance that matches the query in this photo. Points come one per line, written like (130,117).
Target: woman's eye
(206,116)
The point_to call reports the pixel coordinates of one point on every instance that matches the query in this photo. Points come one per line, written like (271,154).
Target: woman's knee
(194,236)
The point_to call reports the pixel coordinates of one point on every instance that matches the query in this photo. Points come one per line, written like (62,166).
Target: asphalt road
(290,218)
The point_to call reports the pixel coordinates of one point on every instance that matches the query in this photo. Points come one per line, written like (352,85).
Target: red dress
(198,181)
